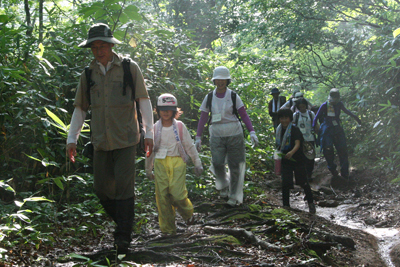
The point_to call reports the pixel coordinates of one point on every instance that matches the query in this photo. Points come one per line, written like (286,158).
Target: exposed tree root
(247,235)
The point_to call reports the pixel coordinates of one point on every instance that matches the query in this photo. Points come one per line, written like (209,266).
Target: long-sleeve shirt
(332,116)
(169,143)
(240,108)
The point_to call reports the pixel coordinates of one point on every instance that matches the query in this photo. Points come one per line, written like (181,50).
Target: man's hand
(149,144)
(71,151)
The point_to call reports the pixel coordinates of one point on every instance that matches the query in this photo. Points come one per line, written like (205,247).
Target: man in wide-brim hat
(114,127)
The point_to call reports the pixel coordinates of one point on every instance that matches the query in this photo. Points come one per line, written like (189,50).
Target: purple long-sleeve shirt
(323,113)
(242,113)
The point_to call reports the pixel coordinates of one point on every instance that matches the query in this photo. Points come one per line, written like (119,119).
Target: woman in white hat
(226,135)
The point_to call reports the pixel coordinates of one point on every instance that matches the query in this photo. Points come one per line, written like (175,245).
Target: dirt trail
(261,233)
(370,204)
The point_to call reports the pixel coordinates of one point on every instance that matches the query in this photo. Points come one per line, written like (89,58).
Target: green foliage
(289,44)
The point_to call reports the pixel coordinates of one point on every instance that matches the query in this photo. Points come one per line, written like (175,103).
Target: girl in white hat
(173,146)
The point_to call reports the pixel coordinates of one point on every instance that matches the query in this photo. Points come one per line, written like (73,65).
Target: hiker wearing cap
(274,105)
(172,149)
(290,103)
(226,135)
(114,127)
(299,96)
(332,134)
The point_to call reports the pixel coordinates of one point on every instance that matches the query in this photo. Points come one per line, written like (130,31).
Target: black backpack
(209,101)
(127,80)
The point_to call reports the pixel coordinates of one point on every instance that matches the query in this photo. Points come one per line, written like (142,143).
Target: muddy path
(261,233)
(370,203)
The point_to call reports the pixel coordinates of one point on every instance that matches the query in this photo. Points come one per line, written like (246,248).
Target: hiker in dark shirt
(274,105)
(289,141)
(332,134)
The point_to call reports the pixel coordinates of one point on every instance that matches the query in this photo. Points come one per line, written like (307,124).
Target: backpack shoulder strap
(89,82)
(208,105)
(180,129)
(311,117)
(233,96)
(297,116)
(209,100)
(128,80)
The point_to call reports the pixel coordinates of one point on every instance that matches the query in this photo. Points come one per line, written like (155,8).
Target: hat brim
(334,99)
(167,108)
(221,78)
(111,40)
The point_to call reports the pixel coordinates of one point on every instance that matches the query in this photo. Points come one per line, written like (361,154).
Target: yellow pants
(171,193)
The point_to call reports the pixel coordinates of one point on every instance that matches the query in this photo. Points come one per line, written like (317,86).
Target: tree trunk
(40,21)
(28,18)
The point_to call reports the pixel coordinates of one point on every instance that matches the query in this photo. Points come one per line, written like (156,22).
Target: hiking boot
(124,218)
(121,246)
(231,202)
(191,221)
(224,192)
(311,208)
(339,182)
(335,173)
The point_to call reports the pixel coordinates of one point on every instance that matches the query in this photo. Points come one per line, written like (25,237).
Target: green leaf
(59,123)
(41,50)
(47,163)
(59,183)
(88,11)
(124,18)
(133,13)
(6,186)
(4,18)
(32,157)
(376,124)
(36,199)
(110,2)
(77,256)
(100,13)
(22,217)
(396,32)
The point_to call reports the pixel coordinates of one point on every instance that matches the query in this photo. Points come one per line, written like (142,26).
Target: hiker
(289,142)
(274,105)
(114,128)
(173,145)
(290,102)
(226,136)
(332,134)
(303,119)
(298,96)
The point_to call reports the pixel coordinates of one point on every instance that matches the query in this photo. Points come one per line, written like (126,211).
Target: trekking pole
(333,190)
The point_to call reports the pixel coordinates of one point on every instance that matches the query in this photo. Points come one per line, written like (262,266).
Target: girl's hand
(289,155)
(198,170)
